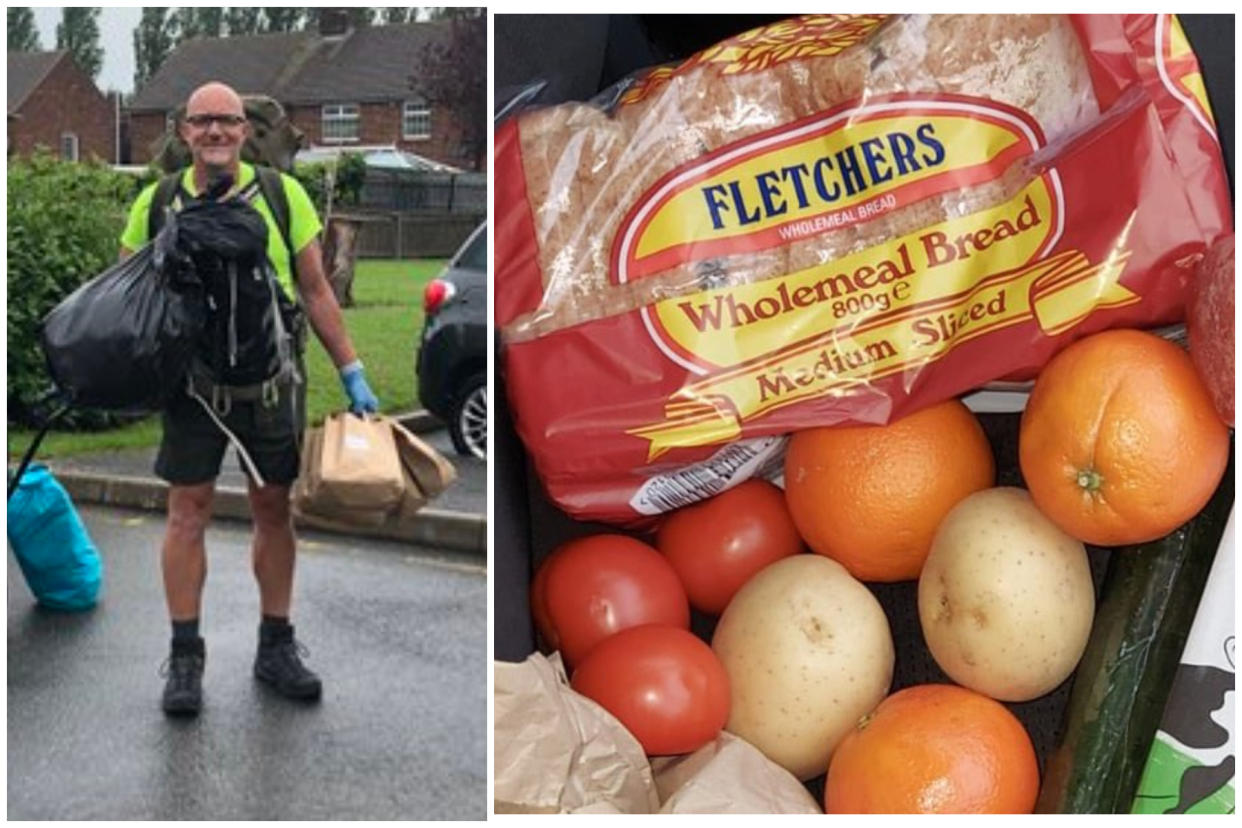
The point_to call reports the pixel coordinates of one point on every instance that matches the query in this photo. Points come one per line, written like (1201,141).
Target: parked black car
(452,354)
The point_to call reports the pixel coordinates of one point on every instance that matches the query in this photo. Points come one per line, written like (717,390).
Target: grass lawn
(384,324)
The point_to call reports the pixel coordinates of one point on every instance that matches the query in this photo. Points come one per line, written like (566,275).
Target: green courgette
(1147,604)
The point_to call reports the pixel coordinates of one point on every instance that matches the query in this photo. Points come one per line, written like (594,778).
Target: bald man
(269,425)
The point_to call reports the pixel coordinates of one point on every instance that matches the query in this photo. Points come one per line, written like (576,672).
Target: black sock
(275,629)
(185,636)
(185,630)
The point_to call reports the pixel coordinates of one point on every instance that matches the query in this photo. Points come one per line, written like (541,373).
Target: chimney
(333,22)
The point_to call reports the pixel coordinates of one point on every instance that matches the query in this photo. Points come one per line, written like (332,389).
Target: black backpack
(270,185)
(248,339)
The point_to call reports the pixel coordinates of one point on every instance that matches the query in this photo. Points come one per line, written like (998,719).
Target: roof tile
(26,71)
(371,63)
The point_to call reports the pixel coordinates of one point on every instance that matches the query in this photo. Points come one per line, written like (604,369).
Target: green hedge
(351,172)
(63,224)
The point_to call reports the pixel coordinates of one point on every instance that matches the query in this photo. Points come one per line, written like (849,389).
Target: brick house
(343,87)
(54,104)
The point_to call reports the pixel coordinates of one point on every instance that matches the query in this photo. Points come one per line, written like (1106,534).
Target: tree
(197,21)
(242,21)
(282,19)
(154,39)
(211,21)
(78,32)
(23,33)
(359,16)
(455,13)
(391,16)
(452,73)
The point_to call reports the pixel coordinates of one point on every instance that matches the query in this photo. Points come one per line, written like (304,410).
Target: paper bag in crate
(556,751)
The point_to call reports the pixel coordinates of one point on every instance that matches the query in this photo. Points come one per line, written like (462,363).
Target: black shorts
(193,446)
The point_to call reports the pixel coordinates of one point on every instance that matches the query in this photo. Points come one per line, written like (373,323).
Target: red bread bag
(836,219)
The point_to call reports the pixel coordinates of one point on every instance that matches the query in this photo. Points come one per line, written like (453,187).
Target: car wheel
(468,425)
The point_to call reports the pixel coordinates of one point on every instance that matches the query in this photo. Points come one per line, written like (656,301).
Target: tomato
(665,685)
(539,607)
(592,587)
(717,545)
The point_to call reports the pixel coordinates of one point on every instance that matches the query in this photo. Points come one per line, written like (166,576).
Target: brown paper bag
(359,467)
(431,471)
(331,494)
(413,499)
(427,472)
(729,776)
(557,751)
(350,476)
(313,512)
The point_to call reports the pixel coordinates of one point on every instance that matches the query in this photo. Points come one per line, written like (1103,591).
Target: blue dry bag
(61,565)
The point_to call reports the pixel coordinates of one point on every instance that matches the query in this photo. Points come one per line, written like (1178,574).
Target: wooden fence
(404,214)
(395,235)
(410,191)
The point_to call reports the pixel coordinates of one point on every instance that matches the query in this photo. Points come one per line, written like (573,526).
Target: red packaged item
(836,219)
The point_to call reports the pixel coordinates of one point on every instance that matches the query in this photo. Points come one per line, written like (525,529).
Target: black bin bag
(122,341)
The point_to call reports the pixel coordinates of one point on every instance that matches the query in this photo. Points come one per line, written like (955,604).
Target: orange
(934,749)
(871,497)
(1120,442)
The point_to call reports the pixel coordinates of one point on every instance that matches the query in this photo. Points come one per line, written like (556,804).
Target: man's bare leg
(278,661)
(184,562)
(274,549)
(184,555)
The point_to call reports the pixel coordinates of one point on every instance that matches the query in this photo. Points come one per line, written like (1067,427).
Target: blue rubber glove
(361,397)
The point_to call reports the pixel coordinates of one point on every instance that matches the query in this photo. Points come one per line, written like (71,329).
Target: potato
(808,652)
(1005,597)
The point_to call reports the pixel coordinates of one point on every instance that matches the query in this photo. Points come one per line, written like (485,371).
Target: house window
(415,122)
(69,146)
(340,122)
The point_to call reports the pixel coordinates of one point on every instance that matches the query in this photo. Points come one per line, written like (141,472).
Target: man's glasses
(204,120)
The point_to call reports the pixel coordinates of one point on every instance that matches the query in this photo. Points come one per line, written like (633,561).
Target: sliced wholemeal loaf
(586,170)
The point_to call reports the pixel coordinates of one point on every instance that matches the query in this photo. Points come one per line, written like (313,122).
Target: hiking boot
(279,664)
(183,689)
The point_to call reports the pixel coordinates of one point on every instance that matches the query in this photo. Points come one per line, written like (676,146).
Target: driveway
(397,632)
